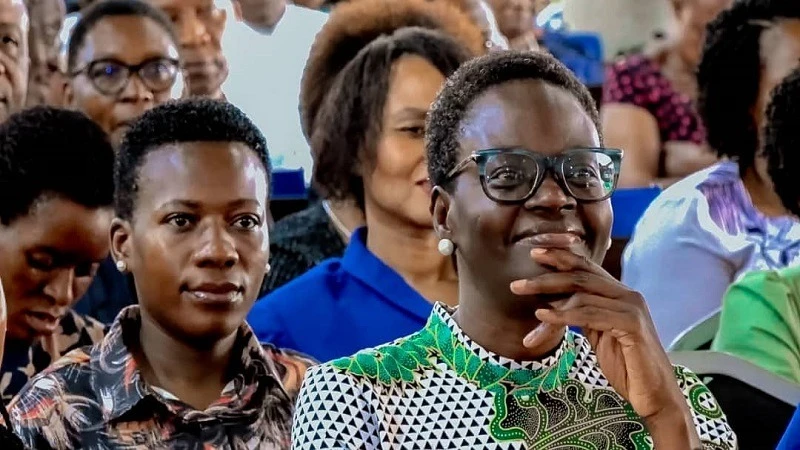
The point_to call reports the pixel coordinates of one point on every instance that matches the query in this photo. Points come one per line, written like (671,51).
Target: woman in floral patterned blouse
(521,203)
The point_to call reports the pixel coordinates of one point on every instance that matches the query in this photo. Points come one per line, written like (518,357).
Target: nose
(136,92)
(193,33)
(217,249)
(550,196)
(61,288)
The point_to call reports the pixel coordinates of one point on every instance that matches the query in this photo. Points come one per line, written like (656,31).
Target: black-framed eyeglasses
(513,175)
(111,77)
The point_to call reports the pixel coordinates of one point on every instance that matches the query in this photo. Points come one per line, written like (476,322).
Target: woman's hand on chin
(617,323)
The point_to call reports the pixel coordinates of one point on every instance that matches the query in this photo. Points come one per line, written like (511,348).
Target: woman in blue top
(368,145)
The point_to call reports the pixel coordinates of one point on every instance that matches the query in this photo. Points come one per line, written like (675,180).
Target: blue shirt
(791,440)
(341,306)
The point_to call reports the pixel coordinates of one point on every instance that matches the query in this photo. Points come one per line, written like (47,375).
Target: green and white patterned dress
(436,389)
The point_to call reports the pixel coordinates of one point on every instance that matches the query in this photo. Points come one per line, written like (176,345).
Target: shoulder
(91,329)
(290,366)
(42,411)
(708,417)
(683,209)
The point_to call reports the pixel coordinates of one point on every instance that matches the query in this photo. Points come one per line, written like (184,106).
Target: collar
(387,284)
(451,342)
(120,386)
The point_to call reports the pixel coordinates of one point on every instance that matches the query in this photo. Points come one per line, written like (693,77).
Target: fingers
(569,282)
(594,312)
(564,260)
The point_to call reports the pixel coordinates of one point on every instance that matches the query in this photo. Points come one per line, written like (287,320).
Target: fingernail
(529,338)
(538,251)
(517,285)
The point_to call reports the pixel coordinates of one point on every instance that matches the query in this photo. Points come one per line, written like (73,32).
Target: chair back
(699,335)
(757,403)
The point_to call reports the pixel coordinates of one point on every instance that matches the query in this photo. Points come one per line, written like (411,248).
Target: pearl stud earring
(446,247)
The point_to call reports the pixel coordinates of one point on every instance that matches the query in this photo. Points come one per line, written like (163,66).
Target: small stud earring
(268,267)
(446,247)
(122,266)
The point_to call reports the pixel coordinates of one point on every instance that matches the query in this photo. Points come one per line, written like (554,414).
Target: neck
(502,331)
(346,216)
(410,250)
(195,375)
(680,72)
(761,190)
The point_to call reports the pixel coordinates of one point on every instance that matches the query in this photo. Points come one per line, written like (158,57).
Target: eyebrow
(195,205)
(410,113)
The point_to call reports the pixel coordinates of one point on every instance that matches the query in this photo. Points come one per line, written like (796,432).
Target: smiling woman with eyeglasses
(122,61)
(526,216)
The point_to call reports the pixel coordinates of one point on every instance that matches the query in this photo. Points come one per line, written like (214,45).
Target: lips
(224,293)
(43,323)
(553,236)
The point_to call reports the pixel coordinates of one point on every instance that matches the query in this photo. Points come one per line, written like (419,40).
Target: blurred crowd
(384,224)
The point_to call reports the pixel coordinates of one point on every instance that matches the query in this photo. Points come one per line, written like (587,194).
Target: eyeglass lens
(587,174)
(111,77)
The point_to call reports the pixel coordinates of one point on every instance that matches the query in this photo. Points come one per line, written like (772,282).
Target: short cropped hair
(354,24)
(47,151)
(782,141)
(729,75)
(473,79)
(175,122)
(350,121)
(112,8)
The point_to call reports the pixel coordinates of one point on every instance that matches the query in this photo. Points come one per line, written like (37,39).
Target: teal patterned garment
(438,389)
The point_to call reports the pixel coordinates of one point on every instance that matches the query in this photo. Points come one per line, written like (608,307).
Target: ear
(121,240)
(69,95)
(440,209)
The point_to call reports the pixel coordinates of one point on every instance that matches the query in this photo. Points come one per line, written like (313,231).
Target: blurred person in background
(56,188)
(200,25)
(650,102)
(266,44)
(516,19)
(760,319)
(368,146)
(14,57)
(706,231)
(122,60)
(46,19)
(321,231)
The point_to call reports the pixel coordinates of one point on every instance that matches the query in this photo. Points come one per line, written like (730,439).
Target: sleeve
(333,414)
(709,419)
(38,414)
(626,82)
(678,265)
(759,324)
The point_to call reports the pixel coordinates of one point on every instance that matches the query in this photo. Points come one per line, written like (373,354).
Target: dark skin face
(49,258)
(197,245)
(47,16)
(130,40)
(534,116)
(200,25)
